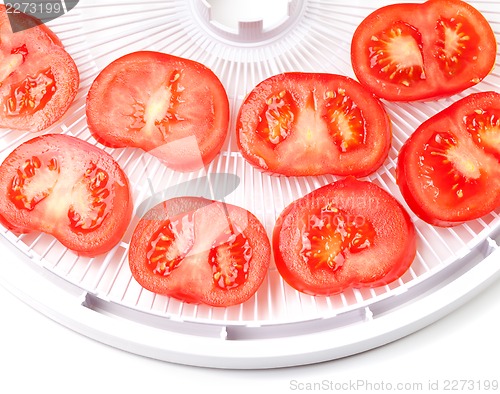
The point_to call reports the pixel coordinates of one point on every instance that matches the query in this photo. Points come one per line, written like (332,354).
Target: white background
(39,355)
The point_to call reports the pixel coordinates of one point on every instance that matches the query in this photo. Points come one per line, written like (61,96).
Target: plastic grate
(316,39)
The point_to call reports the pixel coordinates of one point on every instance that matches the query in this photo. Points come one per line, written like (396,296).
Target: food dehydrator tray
(279,326)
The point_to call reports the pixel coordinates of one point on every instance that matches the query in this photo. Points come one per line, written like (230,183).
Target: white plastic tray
(279,326)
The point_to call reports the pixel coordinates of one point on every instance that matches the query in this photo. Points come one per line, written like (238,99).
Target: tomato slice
(68,188)
(38,78)
(200,251)
(303,124)
(407,52)
(19,21)
(174,108)
(348,234)
(449,169)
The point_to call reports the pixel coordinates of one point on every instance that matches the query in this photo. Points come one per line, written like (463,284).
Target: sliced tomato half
(303,124)
(350,233)
(68,188)
(407,52)
(174,108)
(38,78)
(200,251)
(449,169)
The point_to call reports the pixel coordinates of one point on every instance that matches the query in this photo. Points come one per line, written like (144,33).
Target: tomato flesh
(397,55)
(174,108)
(454,43)
(230,261)
(65,187)
(200,251)
(304,124)
(333,235)
(34,181)
(337,237)
(449,169)
(277,118)
(345,121)
(407,52)
(484,127)
(164,255)
(31,94)
(38,78)
(88,214)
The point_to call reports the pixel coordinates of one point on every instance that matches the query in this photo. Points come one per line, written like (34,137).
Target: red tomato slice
(25,21)
(301,124)
(38,78)
(407,52)
(68,188)
(449,169)
(200,251)
(174,108)
(346,234)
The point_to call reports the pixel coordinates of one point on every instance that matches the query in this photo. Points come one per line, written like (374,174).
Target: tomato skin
(198,225)
(39,79)
(174,108)
(432,179)
(441,66)
(316,124)
(385,258)
(79,194)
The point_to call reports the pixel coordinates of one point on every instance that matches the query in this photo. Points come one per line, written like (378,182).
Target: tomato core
(396,54)
(160,110)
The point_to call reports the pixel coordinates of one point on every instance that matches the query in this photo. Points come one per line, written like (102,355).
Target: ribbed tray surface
(315,38)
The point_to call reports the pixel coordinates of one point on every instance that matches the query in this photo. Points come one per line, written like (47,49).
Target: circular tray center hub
(248,21)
